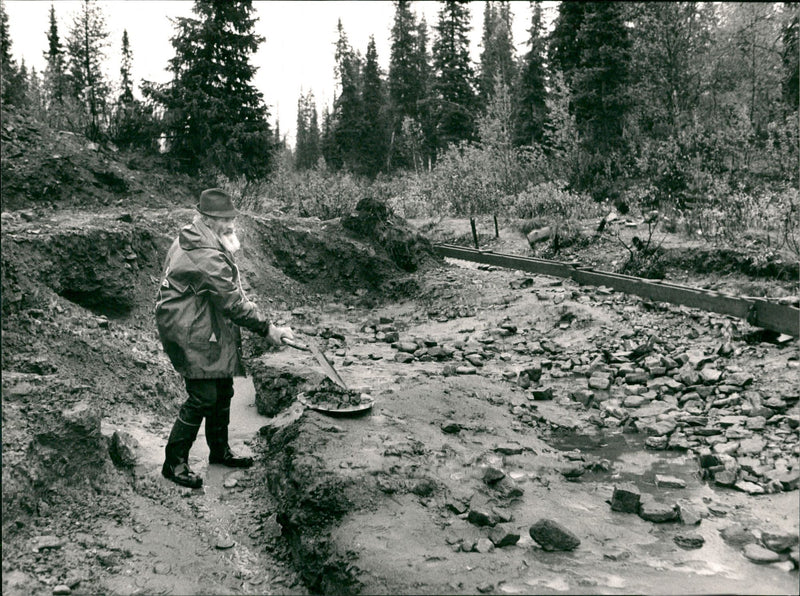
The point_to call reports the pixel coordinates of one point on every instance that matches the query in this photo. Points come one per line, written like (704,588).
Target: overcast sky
(296,55)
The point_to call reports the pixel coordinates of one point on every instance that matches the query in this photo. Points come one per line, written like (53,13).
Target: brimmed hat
(215,202)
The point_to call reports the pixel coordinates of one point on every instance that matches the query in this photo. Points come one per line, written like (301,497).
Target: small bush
(552,200)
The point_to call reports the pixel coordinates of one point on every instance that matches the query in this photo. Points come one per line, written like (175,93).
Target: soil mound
(42,167)
(375,222)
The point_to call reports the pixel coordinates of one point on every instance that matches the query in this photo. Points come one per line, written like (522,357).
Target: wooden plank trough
(759,312)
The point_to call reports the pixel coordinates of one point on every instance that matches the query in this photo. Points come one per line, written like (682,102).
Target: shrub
(553,200)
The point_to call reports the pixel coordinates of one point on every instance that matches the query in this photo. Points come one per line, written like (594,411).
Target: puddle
(630,460)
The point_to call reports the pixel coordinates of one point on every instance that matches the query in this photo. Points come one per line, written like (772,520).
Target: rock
(756,422)
(678,442)
(123,449)
(725,478)
(492,475)
(407,346)
(533,372)
(710,375)
(509,449)
(698,360)
(484,545)
(689,541)
(785,566)
(599,382)
(485,588)
(726,447)
(466,370)
(656,428)
(161,568)
(47,542)
(737,535)
(752,446)
(552,536)
(404,357)
(61,590)
(636,378)
(779,541)
(456,505)
(583,396)
(751,488)
(634,401)
(572,472)
(224,543)
(656,442)
(707,459)
(508,488)
(759,554)
(688,514)
(474,359)
(502,536)
(543,394)
(230,482)
(789,480)
(669,482)
(625,499)
(451,427)
(656,512)
(481,516)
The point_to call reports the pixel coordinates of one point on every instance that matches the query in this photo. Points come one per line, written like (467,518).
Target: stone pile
(462,356)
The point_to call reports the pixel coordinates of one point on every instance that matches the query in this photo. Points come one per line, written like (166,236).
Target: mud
(392,502)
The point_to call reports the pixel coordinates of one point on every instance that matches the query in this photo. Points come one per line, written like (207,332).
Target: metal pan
(326,365)
(348,411)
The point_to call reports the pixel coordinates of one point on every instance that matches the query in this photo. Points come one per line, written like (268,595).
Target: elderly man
(200,306)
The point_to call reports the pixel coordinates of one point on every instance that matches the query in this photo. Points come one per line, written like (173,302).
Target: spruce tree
(530,95)
(347,107)
(215,118)
(453,91)
(132,123)
(425,124)
(373,143)
(497,57)
(307,143)
(564,46)
(55,72)
(11,87)
(126,84)
(600,83)
(404,83)
(328,147)
(86,52)
(35,96)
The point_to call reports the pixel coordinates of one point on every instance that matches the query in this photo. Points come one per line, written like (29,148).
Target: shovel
(327,367)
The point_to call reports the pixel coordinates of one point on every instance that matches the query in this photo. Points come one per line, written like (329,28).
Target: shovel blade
(327,367)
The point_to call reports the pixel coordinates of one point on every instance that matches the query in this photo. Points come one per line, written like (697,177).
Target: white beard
(230,242)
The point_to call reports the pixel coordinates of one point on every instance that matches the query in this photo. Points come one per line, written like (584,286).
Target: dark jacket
(200,305)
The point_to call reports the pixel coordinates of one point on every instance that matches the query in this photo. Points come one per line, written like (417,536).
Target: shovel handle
(293,344)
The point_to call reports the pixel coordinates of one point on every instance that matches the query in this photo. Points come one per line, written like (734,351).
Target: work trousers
(209,399)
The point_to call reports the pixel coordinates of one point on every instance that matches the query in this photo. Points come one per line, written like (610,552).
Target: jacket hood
(198,235)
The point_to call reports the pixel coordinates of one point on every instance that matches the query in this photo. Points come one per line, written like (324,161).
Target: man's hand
(276,334)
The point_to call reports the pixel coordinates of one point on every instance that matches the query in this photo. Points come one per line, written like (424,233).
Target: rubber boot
(217,422)
(176,462)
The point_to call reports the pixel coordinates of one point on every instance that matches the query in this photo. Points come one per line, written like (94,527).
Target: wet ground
(414,468)
(388,502)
